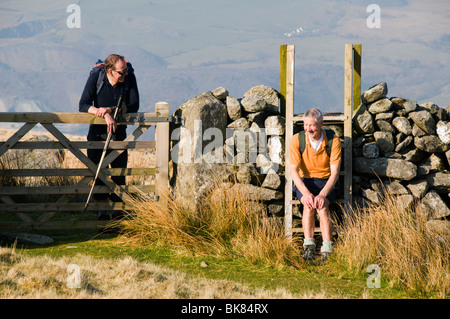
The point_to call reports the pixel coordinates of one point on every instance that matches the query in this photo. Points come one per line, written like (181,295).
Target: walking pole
(108,139)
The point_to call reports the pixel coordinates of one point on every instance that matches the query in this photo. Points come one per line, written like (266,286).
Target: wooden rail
(21,199)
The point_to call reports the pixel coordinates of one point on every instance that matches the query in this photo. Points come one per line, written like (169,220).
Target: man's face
(120,71)
(312,127)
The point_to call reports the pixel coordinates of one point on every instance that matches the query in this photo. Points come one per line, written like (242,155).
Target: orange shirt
(314,164)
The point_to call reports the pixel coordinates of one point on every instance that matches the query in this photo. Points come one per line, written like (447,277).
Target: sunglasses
(123,72)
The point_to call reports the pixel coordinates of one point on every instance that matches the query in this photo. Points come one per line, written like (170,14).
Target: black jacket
(108,97)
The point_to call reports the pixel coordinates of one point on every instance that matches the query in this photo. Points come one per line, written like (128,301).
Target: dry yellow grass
(409,253)
(227,224)
(49,278)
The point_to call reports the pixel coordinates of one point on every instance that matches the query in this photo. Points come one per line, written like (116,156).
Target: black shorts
(315,185)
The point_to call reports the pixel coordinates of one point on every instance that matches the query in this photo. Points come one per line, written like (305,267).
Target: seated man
(315,173)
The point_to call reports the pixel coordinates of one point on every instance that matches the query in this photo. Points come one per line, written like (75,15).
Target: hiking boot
(309,252)
(324,256)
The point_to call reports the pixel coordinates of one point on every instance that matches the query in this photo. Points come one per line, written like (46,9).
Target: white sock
(309,242)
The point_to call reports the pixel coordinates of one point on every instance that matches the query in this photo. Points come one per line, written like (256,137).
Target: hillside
(180,49)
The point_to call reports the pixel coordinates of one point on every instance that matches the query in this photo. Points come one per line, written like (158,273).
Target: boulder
(424,120)
(380,106)
(434,206)
(386,167)
(233,108)
(374,93)
(194,176)
(266,93)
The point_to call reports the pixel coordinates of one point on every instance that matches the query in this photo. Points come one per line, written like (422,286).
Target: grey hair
(315,114)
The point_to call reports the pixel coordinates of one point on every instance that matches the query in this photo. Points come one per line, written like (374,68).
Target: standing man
(315,172)
(102,92)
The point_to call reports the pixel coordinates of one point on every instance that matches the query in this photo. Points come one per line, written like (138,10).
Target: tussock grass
(410,254)
(228,223)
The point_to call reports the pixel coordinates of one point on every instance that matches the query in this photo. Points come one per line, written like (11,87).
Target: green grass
(325,281)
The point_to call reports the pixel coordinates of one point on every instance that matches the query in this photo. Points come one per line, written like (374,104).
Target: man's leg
(326,226)
(308,223)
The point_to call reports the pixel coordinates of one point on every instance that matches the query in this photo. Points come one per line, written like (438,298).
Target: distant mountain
(182,48)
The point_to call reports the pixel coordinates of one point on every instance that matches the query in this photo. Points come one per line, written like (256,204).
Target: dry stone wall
(233,140)
(402,148)
(399,147)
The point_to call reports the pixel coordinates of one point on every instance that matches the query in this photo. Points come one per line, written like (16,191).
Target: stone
(443,131)
(248,174)
(266,93)
(381,106)
(220,93)
(418,188)
(373,196)
(385,126)
(424,120)
(434,163)
(374,93)
(194,177)
(233,108)
(254,104)
(275,147)
(415,155)
(395,188)
(275,208)
(272,181)
(265,165)
(387,116)
(371,150)
(275,125)
(402,125)
(258,193)
(240,124)
(364,123)
(434,206)
(405,143)
(405,201)
(386,167)
(406,104)
(385,141)
(430,144)
(439,181)
(417,131)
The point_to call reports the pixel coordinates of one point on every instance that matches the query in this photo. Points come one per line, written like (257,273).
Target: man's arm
(332,180)
(308,198)
(87,99)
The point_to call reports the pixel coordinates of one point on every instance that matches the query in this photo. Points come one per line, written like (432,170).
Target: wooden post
(348,110)
(287,68)
(162,153)
(283,50)
(356,76)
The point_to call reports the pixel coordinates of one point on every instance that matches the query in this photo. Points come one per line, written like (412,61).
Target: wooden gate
(25,201)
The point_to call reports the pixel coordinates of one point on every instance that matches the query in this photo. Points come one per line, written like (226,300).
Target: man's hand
(308,200)
(320,201)
(102,111)
(111,124)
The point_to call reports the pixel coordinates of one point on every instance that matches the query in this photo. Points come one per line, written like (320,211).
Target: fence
(20,198)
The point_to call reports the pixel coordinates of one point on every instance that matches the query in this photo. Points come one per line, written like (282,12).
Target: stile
(351,86)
